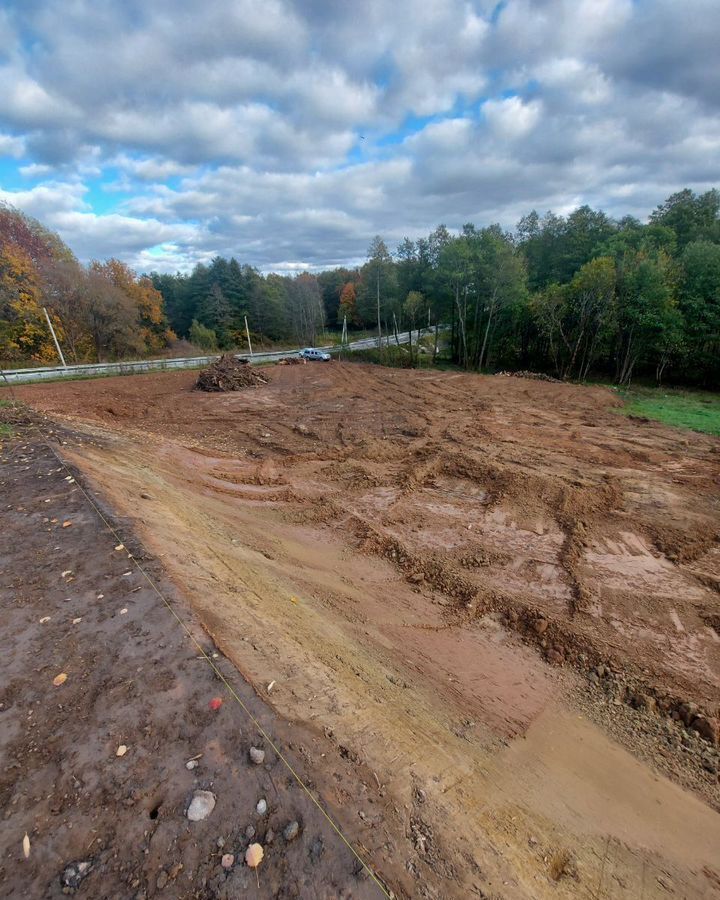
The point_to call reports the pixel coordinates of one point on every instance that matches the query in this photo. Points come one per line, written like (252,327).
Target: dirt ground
(496,595)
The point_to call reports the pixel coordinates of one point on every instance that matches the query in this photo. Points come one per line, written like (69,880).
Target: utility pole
(54,337)
(247,332)
(378,307)
(344,338)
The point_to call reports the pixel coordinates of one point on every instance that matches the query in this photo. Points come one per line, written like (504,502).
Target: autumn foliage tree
(348,306)
(100,312)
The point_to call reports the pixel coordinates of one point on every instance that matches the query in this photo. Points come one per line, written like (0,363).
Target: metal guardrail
(93,370)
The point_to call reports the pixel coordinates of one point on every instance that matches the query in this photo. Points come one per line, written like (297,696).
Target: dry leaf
(60,679)
(121,750)
(120,547)
(254,855)
(78,620)
(66,573)
(67,523)
(26,846)
(44,620)
(293,600)
(123,610)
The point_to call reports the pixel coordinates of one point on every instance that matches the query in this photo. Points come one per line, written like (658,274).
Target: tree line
(571,295)
(575,295)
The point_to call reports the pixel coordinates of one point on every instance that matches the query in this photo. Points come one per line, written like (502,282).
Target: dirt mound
(292,361)
(535,376)
(229,374)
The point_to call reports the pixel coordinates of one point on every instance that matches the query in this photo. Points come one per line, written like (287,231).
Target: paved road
(46,373)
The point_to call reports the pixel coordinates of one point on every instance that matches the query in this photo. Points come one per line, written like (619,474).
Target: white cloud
(11,146)
(512,118)
(235,128)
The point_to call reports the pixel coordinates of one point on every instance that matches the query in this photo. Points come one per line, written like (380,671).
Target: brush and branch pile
(230,374)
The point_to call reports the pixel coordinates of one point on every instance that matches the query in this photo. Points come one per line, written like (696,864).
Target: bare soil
(496,594)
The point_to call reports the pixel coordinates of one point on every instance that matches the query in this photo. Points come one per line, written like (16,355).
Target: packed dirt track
(495,594)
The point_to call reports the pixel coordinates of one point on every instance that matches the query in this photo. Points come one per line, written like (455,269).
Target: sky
(288,134)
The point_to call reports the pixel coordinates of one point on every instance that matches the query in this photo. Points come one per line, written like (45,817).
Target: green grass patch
(5,431)
(695,410)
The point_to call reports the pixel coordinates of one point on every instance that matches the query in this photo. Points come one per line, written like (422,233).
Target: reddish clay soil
(486,590)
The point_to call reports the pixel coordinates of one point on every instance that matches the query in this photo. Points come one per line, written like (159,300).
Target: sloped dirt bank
(442,571)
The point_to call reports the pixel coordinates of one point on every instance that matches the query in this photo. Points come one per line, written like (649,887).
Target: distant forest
(577,296)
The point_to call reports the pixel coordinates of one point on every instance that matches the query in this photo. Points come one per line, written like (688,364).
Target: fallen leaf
(270,686)
(293,599)
(100,596)
(26,846)
(254,855)
(67,523)
(120,547)
(215,703)
(77,621)
(44,620)
(60,679)
(121,750)
(66,573)
(123,610)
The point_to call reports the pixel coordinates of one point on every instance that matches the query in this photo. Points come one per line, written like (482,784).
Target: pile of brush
(230,374)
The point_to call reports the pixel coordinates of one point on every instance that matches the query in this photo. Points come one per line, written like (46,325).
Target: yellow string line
(233,692)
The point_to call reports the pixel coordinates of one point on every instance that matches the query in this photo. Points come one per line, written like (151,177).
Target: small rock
(687,712)
(416,578)
(227,861)
(709,765)
(191,764)
(708,728)
(75,873)
(201,805)
(257,756)
(249,832)
(162,879)
(261,807)
(540,626)
(269,836)
(121,750)
(291,831)
(555,658)
(221,842)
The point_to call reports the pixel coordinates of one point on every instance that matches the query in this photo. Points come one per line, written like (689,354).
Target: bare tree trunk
(487,331)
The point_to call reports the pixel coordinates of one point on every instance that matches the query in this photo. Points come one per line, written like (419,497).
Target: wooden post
(54,337)
(247,332)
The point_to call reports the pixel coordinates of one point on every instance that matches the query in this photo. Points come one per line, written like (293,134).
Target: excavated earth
(498,595)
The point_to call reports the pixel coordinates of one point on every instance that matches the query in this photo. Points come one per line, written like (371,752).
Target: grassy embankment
(696,410)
